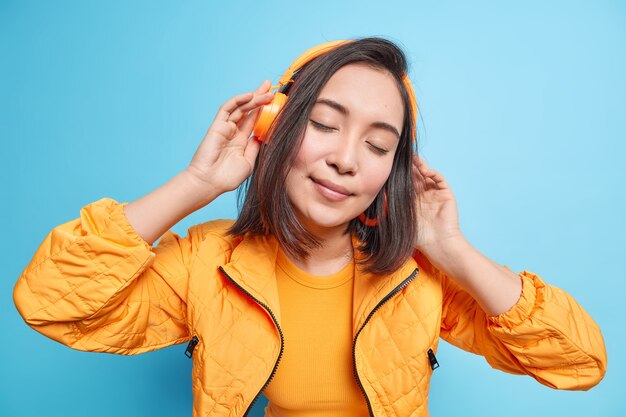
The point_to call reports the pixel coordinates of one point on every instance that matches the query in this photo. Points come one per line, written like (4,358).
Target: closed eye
(321,127)
(324,128)
(378,150)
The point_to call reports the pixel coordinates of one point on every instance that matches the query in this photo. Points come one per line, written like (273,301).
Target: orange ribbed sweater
(315,376)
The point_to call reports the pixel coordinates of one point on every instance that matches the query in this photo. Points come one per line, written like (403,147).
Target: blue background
(522,109)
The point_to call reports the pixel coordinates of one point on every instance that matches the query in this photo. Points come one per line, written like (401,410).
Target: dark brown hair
(266,208)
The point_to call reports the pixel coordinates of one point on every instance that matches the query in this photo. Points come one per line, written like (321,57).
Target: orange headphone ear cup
(267,115)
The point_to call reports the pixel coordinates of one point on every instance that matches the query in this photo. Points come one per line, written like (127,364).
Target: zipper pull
(191,346)
(433,360)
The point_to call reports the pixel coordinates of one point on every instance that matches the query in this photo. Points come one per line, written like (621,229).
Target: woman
(330,291)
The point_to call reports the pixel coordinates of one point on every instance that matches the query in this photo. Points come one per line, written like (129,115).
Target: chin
(326,220)
(330,224)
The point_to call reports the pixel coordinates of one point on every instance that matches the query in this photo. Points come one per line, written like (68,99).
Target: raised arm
(96,283)
(518,322)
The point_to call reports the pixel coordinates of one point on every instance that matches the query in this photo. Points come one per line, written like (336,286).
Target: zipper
(282,340)
(383,301)
(432,359)
(191,346)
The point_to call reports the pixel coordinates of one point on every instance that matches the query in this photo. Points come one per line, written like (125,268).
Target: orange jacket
(94,284)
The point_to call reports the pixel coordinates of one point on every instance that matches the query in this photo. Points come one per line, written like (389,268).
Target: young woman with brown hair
(331,289)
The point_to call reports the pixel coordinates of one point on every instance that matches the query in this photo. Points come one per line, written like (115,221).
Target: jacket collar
(253,267)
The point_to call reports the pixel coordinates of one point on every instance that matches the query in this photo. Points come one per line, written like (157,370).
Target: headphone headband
(270,111)
(304,58)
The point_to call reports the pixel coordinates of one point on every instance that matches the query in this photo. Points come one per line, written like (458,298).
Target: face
(348,147)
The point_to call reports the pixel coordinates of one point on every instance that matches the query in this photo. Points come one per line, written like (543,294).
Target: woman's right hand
(226,156)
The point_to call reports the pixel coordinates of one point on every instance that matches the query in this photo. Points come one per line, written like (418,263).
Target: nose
(343,155)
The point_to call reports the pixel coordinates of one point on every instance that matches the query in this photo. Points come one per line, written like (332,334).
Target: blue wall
(522,109)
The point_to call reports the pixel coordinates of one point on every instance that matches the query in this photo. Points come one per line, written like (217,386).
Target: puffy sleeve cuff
(107,218)
(522,310)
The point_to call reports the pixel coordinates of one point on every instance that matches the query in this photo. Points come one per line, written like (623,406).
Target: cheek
(311,151)
(375,176)
(297,175)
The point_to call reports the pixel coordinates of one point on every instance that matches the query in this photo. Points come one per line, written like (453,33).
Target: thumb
(252,150)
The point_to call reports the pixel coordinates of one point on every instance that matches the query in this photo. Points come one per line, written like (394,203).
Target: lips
(336,190)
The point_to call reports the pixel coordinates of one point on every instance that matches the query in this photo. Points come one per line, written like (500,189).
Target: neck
(334,253)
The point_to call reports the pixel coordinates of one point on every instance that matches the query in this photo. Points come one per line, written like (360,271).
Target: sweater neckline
(320,282)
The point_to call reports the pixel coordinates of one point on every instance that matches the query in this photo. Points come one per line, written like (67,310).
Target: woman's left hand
(437,213)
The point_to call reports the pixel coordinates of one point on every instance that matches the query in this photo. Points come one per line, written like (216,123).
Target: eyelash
(323,128)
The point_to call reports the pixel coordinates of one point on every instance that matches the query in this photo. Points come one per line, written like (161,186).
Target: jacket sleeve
(546,334)
(95,285)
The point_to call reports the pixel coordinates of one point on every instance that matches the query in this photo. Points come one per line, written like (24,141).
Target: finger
(417,160)
(417,175)
(227,108)
(430,176)
(261,90)
(256,101)
(259,98)
(421,163)
(420,169)
(249,122)
(431,182)
(265,85)
(438,179)
(227,130)
(418,178)
(252,150)
(426,170)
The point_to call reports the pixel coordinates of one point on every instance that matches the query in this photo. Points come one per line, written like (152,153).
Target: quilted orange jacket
(95,285)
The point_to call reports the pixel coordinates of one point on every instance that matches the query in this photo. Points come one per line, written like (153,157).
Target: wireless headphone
(270,111)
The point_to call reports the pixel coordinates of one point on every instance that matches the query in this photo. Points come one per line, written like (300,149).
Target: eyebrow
(344,110)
